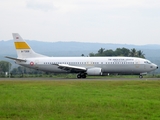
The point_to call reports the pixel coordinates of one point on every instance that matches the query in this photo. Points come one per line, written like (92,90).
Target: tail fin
(23,49)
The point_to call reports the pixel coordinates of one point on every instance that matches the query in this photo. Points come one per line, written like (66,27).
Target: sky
(99,21)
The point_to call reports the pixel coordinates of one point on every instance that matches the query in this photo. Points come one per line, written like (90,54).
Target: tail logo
(31,63)
(21,45)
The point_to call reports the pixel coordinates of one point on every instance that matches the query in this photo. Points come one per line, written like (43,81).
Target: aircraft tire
(140,76)
(79,76)
(83,76)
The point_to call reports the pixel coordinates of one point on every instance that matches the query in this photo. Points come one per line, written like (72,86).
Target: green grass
(79,99)
(74,76)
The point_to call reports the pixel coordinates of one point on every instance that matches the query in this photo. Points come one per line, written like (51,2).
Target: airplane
(83,66)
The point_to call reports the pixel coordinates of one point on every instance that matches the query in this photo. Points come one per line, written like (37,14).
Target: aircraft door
(137,63)
(36,63)
(144,66)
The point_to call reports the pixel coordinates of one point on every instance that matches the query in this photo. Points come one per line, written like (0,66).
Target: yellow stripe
(21,45)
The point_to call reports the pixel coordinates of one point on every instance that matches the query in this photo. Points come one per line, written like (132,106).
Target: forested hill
(74,48)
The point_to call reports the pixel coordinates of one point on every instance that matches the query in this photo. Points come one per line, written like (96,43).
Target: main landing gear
(81,75)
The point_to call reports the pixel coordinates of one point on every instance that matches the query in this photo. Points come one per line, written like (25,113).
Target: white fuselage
(127,65)
(81,65)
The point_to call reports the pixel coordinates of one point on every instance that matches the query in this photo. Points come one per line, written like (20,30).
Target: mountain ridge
(73,48)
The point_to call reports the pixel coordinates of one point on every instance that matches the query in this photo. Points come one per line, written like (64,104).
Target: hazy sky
(104,21)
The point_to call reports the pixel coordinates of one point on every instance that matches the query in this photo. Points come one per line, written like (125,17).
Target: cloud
(40,5)
(118,21)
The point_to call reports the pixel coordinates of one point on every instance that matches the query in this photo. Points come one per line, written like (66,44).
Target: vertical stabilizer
(23,49)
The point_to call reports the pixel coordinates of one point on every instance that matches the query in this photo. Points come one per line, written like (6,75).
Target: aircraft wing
(71,68)
(17,59)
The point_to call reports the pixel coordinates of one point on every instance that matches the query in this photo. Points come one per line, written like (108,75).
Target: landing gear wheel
(140,76)
(81,75)
(78,76)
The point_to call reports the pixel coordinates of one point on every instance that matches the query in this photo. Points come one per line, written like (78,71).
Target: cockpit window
(147,62)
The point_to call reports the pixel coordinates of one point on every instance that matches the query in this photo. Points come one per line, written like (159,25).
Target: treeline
(25,70)
(4,66)
(119,52)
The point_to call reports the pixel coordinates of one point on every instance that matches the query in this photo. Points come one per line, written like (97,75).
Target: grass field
(79,99)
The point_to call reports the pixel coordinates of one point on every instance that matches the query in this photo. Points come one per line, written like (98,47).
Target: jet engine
(94,71)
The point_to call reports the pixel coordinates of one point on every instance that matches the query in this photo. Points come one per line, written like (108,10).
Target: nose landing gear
(140,76)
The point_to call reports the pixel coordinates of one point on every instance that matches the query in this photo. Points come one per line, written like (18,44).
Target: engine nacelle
(94,71)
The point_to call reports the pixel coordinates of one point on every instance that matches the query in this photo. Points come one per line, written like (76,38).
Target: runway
(75,79)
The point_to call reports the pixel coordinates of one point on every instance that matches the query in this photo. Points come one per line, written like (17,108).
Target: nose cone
(155,66)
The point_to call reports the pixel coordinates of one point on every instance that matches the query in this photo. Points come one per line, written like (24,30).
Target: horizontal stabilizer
(20,60)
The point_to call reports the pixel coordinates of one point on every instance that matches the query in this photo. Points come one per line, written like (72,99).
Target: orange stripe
(21,45)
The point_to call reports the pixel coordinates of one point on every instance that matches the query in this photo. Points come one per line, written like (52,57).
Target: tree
(24,70)
(91,54)
(133,52)
(109,53)
(82,55)
(100,52)
(119,52)
(14,71)
(140,54)
(125,51)
(5,66)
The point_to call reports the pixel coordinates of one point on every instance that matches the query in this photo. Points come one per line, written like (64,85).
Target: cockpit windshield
(147,62)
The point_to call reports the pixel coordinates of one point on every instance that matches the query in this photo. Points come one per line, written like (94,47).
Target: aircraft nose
(156,66)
